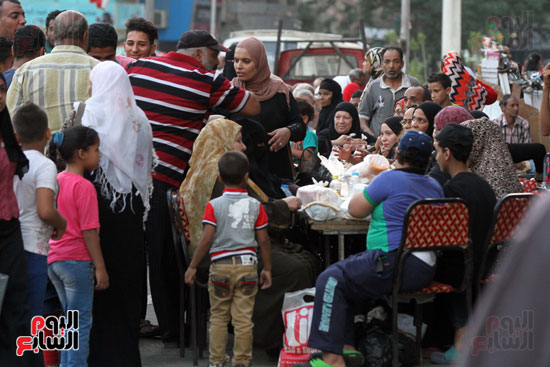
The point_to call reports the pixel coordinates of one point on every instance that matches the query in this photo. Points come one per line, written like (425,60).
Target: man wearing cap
(369,274)
(177,92)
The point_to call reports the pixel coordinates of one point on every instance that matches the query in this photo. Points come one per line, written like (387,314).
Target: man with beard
(12,17)
(177,92)
(50,36)
(414,96)
(383,92)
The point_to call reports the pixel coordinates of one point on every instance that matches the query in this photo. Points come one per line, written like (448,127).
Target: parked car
(317,62)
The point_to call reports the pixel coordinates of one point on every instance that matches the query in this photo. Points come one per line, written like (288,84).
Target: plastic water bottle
(354,179)
(335,184)
(346,188)
(546,172)
(286,190)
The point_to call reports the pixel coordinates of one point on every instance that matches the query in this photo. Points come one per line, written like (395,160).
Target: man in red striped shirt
(177,93)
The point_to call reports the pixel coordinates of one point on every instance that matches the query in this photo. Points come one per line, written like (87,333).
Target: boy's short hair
(440,78)
(101,35)
(28,40)
(233,166)
(30,122)
(357,94)
(51,16)
(458,139)
(142,25)
(5,49)
(305,109)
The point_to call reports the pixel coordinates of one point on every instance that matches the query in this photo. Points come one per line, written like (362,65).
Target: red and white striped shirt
(177,93)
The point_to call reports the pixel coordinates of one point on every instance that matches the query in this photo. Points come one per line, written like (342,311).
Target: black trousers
(163,268)
(14,315)
(525,152)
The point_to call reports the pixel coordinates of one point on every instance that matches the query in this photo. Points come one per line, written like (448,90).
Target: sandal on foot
(353,358)
(448,357)
(314,362)
(148,330)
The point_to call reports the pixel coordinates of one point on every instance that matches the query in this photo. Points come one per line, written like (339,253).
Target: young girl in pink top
(75,260)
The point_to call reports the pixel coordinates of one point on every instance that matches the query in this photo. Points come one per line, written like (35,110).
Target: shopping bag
(297,316)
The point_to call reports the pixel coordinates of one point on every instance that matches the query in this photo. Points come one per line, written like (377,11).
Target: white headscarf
(126,139)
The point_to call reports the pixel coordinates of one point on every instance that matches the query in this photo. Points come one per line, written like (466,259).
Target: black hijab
(394,123)
(13,150)
(430,109)
(331,132)
(229,67)
(325,116)
(257,151)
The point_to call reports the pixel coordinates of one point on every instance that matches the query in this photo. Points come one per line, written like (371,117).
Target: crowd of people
(92,142)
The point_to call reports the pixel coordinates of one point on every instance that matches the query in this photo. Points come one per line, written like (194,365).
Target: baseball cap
(418,140)
(199,38)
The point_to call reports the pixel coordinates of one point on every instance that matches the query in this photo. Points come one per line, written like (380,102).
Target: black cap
(199,38)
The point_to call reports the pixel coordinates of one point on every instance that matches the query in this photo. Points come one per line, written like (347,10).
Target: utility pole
(405,33)
(451,26)
(213,17)
(150,10)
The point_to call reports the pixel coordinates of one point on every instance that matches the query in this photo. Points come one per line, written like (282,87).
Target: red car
(317,62)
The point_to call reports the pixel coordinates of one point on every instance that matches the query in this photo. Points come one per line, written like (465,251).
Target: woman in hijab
(490,157)
(279,115)
(330,95)
(448,115)
(372,65)
(291,270)
(345,122)
(390,131)
(124,184)
(228,67)
(423,117)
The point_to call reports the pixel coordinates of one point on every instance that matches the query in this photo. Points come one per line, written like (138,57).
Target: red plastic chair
(431,224)
(508,213)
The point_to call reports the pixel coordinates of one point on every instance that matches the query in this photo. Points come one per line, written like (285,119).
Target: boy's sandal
(353,358)
(314,362)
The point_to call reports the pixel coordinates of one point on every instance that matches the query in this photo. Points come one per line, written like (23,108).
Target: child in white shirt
(36,195)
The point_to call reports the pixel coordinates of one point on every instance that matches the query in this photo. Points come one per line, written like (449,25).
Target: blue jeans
(74,283)
(37,269)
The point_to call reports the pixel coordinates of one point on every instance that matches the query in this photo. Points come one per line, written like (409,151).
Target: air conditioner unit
(160,19)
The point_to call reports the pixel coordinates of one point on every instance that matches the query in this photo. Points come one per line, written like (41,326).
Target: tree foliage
(521,25)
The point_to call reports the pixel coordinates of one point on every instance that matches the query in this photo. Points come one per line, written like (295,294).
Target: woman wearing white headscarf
(123,182)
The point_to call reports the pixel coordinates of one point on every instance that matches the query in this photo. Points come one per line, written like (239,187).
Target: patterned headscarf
(216,138)
(466,91)
(126,138)
(374,56)
(490,157)
(451,115)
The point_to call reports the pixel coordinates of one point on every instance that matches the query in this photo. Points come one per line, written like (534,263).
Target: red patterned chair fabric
(510,213)
(434,287)
(437,225)
(528,185)
(184,220)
